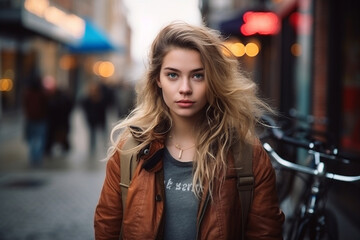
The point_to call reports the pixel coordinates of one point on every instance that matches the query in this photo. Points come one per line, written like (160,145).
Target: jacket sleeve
(265,218)
(108,212)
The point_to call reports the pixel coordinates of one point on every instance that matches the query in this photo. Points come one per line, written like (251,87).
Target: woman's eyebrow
(176,70)
(197,70)
(171,69)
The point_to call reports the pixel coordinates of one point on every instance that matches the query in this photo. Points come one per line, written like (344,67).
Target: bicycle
(311,219)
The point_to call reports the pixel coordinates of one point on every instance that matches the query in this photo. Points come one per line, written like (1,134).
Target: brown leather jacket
(218,219)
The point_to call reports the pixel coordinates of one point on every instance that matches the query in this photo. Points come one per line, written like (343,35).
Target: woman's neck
(182,139)
(184,127)
(183,130)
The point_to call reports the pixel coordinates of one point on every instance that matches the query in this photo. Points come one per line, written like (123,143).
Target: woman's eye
(172,75)
(198,76)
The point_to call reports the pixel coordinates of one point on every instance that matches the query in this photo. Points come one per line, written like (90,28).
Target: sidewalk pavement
(56,201)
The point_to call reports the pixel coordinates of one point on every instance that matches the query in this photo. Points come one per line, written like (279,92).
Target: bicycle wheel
(322,226)
(295,228)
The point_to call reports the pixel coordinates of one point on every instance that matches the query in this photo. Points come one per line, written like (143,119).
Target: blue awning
(93,41)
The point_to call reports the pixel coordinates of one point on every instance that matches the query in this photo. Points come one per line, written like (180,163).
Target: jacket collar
(152,155)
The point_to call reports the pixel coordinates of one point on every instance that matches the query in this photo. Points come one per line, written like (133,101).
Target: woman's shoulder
(262,165)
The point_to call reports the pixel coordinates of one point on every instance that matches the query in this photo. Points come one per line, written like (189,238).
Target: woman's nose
(185,87)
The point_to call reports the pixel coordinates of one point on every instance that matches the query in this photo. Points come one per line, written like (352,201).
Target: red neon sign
(263,23)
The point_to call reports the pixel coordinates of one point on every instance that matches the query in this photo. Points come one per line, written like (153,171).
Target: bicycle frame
(310,214)
(311,218)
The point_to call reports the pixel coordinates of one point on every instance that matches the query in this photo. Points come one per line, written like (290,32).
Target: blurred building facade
(309,65)
(73,41)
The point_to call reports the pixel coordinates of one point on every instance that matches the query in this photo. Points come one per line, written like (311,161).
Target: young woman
(192,108)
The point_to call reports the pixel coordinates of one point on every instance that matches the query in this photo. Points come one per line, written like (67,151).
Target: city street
(91,58)
(58,200)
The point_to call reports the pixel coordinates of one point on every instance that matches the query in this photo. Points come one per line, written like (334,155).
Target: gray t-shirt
(181,204)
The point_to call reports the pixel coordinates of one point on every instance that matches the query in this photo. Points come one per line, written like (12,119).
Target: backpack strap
(245,179)
(128,163)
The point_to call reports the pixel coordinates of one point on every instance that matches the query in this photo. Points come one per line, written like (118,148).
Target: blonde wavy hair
(231,113)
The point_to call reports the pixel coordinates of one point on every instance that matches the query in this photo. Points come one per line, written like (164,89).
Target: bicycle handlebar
(316,146)
(304,169)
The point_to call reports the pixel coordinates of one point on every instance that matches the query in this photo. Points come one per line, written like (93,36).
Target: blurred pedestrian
(35,111)
(59,110)
(95,105)
(125,99)
(193,109)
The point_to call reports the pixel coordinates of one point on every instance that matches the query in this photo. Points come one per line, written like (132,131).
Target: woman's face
(182,80)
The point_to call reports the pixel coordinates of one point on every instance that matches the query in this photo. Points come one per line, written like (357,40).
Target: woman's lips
(185,103)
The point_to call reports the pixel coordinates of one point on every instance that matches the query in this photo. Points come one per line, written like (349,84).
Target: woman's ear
(158,82)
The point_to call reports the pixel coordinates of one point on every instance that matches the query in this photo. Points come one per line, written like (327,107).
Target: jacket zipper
(202,215)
